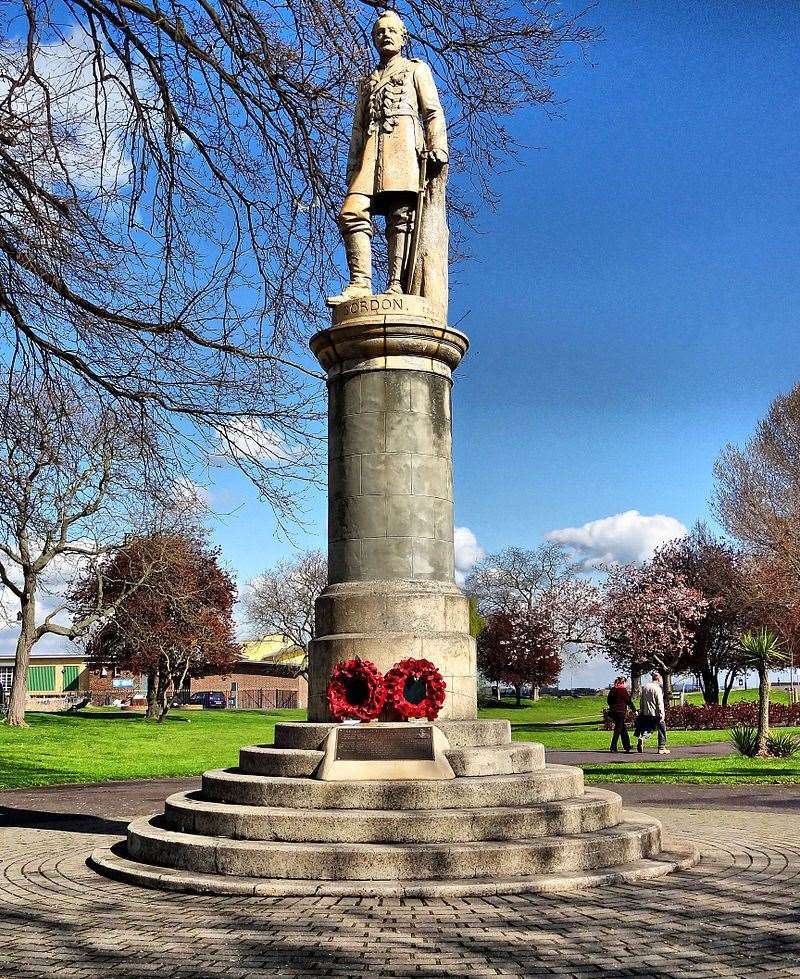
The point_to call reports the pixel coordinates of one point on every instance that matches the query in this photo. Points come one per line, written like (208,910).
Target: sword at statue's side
(413,251)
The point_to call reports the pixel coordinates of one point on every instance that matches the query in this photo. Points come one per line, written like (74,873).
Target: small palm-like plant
(745,740)
(785,745)
(760,650)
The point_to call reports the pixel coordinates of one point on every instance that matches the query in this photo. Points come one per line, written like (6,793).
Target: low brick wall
(51,703)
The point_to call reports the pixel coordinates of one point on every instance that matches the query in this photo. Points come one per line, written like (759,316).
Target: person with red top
(619,703)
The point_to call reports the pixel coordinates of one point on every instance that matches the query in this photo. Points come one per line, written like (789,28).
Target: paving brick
(734,915)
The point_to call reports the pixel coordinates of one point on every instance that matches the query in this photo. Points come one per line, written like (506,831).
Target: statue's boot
(399,226)
(398,244)
(358,248)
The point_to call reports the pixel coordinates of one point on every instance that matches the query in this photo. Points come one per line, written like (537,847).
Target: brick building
(109,685)
(258,686)
(269,675)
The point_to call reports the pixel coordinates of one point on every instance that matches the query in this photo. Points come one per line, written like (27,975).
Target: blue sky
(632,302)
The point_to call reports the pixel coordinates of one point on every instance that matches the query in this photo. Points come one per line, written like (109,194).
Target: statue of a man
(396,167)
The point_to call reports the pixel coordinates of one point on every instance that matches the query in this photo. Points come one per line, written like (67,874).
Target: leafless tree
(72,479)
(758,491)
(517,577)
(281,600)
(544,579)
(170,170)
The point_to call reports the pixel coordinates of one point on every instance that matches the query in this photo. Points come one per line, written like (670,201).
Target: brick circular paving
(737,914)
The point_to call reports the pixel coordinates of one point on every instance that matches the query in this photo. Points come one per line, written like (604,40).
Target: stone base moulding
(386,621)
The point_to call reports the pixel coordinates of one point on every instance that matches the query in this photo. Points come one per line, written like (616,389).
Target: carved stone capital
(387,332)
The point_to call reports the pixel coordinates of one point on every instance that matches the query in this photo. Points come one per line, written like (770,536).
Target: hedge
(715,717)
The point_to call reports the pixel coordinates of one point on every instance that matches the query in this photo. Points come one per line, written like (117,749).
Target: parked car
(210,699)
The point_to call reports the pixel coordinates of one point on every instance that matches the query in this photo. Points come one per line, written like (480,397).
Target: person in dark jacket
(619,703)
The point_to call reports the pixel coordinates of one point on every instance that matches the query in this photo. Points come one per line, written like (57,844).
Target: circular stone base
(113,862)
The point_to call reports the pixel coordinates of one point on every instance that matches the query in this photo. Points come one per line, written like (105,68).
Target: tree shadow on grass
(24,776)
(662,769)
(536,727)
(120,715)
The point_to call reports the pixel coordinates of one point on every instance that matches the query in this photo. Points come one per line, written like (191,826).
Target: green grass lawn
(106,744)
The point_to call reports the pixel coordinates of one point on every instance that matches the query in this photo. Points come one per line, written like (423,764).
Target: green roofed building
(55,680)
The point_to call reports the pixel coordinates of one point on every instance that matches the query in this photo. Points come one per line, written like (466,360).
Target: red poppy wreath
(415,688)
(356,691)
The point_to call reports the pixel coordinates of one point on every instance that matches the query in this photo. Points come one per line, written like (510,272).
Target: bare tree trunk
(534,692)
(518,692)
(636,683)
(727,686)
(709,684)
(667,679)
(763,711)
(27,631)
(161,697)
(152,695)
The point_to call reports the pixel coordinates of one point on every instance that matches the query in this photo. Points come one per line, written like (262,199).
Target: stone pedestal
(391,594)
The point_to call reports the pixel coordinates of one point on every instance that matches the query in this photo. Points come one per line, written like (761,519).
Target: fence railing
(266,699)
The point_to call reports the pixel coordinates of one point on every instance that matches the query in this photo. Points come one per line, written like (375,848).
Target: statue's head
(389,34)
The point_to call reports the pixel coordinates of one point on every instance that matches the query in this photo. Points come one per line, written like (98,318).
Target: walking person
(652,716)
(619,702)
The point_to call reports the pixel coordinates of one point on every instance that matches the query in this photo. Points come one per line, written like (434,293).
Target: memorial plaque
(386,751)
(410,743)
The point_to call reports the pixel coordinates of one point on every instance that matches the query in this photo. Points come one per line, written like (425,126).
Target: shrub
(715,717)
(745,740)
(785,745)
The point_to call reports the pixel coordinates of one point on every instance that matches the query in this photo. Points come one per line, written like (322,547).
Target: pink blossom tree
(649,619)
(546,583)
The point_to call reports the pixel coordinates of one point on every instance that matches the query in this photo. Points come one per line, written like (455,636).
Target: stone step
(638,837)
(460,734)
(262,759)
(113,863)
(551,783)
(597,809)
(506,759)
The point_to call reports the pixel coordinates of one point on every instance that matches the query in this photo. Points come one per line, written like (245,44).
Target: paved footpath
(737,914)
(713,749)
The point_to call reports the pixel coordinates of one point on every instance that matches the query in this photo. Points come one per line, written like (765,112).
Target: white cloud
(467,552)
(248,437)
(621,538)
(89,118)
(55,583)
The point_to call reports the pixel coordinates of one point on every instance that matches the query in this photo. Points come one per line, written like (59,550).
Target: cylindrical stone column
(391,593)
